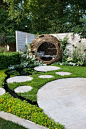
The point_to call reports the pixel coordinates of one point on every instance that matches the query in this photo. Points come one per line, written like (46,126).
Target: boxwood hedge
(7,59)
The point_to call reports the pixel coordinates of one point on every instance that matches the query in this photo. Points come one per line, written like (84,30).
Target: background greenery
(44,16)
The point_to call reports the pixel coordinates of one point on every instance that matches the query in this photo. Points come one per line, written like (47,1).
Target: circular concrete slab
(63,73)
(2,91)
(45,76)
(64,100)
(46,68)
(19,79)
(22,89)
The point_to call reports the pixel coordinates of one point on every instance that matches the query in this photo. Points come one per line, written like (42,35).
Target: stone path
(64,100)
(46,68)
(22,89)
(19,79)
(45,76)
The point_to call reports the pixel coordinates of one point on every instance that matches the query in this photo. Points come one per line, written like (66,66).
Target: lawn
(37,82)
(9,125)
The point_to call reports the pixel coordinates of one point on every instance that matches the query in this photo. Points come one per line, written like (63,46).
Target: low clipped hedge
(7,59)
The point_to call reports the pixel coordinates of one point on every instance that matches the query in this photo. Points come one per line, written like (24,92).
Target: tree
(48,16)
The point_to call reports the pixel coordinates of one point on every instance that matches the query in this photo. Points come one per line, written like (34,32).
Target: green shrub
(2,77)
(64,42)
(7,59)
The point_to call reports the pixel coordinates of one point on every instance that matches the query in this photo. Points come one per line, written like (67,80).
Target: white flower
(69,59)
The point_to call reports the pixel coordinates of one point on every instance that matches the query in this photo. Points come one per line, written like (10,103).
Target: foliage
(10,39)
(3,50)
(27,60)
(64,42)
(48,16)
(77,57)
(27,111)
(2,77)
(7,59)
(7,26)
(4,124)
(56,16)
(13,73)
(81,29)
(2,38)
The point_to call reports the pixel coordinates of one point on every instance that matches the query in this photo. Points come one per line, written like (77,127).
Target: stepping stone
(45,76)
(46,68)
(22,89)
(63,73)
(2,91)
(19,79)
(64,100)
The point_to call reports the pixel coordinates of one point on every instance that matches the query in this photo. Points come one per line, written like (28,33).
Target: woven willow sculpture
(47,48)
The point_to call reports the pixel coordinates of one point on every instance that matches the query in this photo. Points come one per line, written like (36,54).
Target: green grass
(9,125)
(2,77)
(37,82)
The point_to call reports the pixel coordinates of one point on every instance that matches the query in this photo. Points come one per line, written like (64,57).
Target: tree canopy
(43,16)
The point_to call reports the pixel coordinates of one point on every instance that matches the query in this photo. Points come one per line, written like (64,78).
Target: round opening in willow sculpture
(47,51)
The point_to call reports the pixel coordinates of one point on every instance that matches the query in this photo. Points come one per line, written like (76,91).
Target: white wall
(73,40)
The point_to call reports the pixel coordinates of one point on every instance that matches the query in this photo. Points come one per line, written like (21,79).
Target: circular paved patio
(64,100)
(19,79)
(46,68)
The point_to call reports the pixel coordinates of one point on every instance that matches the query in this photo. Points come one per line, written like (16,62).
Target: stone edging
(25,123)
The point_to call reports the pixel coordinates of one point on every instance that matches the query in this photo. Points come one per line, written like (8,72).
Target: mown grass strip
(9,125)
